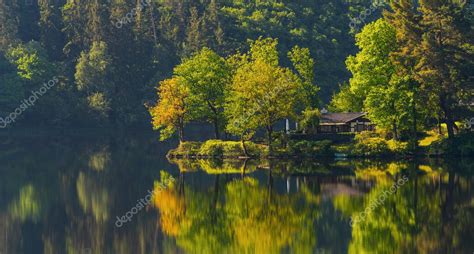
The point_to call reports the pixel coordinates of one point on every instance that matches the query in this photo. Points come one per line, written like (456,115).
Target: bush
(398,147)
(256,150)
(185,149)
(219,148)
(461,145)
(310,121)
(310,148)
(370,147)
(212,148)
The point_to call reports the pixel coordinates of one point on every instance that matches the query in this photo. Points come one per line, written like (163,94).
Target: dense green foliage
(310,148)
(218,149)
(413,67)
(109,55)
(462,145)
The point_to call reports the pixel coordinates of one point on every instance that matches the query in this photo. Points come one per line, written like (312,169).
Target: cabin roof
(340,118)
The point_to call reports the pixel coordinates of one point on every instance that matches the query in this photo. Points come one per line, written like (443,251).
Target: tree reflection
(246,217)
(61,198)
(28,206)
(418,218)
(93,197)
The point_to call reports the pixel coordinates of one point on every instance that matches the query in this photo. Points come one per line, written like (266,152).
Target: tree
(50,24)
(31,62)
(8,25)
(310,120)
(374,77)
(207,76)
(93,78)
(304,65)
(269,91)
(446,56)
(11,85)
(170,114)
(405,19)
(345,100)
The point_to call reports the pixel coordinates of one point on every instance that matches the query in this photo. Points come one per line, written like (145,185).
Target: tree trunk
(181,132)
(155,38)
(244,147)
(450,126)
(395,131)
(216,119)
(216,128)
(448,116)
(413,111)
(269,139)
(440,128)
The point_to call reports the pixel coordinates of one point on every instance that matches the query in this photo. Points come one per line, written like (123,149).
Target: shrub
(232,149)
(212,148)
(185,149)
(310,148)
(310,121)
(219,148)
(256,150)
(461,145)
(370,147)
(398,147)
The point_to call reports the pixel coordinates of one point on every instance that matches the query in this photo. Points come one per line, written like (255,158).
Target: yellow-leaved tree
(169,115)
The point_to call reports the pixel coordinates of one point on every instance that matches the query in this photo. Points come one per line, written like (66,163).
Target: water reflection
(62,195)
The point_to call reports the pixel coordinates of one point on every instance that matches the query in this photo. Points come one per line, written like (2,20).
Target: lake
(87,194)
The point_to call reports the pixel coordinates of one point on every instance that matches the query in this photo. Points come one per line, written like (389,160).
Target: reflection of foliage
(394,226)
(251,219)
(170,204)
(379,171)
(93,197)
(172,209)
(99,160)
(228,166)
(347,204)
(413,219)
(28,206)
(267,225)
(217,166)
(186,165)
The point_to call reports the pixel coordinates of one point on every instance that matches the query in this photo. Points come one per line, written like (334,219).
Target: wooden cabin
(344,122)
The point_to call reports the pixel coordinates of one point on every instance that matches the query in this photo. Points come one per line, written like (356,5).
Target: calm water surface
(65,194)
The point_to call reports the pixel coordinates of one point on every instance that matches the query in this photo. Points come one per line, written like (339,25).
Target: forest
(108,56)
(98,63)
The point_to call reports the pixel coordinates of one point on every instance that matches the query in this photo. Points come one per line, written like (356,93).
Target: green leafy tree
(207,76)
(11,85)
(93,78)
(31,61)
(270,92)
(346,101)
(446,56)
(304,65)
(405,19)
(8,25)
(374,77)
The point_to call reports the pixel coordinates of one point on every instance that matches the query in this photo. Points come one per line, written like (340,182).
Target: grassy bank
(365,145)
(218,149)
